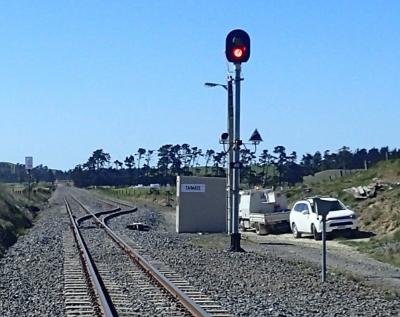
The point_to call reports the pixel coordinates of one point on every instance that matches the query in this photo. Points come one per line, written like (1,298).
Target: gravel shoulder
(31,271)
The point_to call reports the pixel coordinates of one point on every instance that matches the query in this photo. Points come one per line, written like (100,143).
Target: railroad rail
(194,302)
(103,299)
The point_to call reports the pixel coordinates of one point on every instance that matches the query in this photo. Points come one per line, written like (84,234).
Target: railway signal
(237,46)
(237,51)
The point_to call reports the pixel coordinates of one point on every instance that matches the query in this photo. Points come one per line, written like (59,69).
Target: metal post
(29,184)
(235,236)
(230,152)
(323,249)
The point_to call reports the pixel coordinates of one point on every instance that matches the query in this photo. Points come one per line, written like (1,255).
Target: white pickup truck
(263,210)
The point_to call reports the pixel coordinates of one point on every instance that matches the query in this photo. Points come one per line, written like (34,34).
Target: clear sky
(118,75)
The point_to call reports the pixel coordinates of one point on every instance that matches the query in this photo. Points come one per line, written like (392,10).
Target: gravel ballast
(31,271)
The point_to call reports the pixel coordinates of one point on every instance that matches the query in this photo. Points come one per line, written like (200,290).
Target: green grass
(159,195)
(384,249)
(327,175)
(15,216)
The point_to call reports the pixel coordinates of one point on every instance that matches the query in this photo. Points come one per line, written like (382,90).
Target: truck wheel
(244,225)
(353,233)
(317,236)
(296,233)
(261,229)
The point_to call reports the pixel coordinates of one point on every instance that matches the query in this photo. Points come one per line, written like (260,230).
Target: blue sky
(118,75)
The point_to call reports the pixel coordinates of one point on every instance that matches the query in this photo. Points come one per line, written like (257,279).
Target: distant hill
(328,175)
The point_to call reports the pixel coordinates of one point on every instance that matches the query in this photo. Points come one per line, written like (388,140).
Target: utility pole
(228,138)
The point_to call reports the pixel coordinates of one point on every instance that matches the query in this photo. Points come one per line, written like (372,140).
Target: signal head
(237,46)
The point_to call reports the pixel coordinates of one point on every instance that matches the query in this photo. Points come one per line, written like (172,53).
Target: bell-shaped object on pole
(255,137)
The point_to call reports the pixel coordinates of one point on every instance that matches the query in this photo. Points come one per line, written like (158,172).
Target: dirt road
(341,258)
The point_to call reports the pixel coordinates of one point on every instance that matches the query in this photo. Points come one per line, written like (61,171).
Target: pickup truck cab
(304,218)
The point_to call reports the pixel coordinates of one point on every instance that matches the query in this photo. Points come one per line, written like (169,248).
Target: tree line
(161,166)
(16,173)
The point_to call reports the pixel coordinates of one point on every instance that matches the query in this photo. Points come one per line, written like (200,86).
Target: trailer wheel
(296,233)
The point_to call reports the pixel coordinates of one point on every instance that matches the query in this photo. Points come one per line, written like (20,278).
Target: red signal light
(238,52)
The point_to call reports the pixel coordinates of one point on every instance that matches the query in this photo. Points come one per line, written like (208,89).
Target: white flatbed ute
(263,210)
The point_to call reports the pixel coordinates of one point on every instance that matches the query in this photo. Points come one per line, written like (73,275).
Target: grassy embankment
(380,214)
(17,212)
(161,196)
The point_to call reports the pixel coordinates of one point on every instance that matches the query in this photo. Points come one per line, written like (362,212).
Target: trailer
(263,210)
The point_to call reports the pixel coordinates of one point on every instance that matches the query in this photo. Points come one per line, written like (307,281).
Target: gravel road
(342,258)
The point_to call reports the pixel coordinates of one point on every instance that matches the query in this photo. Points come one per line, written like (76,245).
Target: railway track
(162,290)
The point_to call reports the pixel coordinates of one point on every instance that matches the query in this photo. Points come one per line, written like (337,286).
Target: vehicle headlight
(353,216)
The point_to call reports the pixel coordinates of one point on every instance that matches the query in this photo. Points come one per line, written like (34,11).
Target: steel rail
(118,213)
(192,307)
(100,213)
(113,201)
(106,304)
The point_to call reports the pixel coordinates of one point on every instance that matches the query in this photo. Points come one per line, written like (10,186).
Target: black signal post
(237,51)
(323,207)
